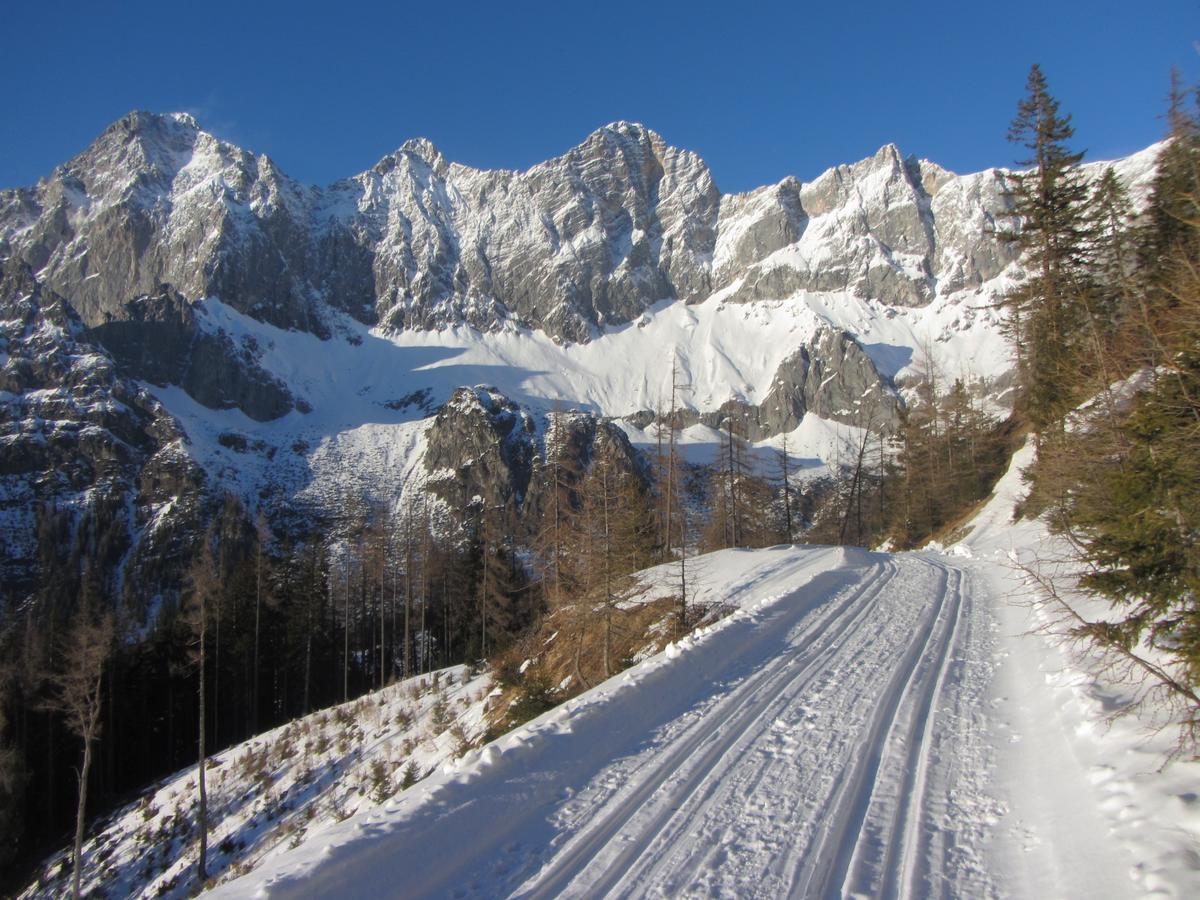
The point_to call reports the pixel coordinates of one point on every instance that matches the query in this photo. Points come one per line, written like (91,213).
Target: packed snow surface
(864,724)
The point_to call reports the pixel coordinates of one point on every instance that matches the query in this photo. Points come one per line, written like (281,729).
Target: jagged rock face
(161,340)
(588,239)
(484,451)
(572,443)
(832,377)
(83,451)
(156,200)
(157,214)
(889,228)
(479,451)
(965,212)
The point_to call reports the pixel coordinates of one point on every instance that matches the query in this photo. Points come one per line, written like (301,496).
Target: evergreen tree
(1128,474)
(1136,516)
(1050,204)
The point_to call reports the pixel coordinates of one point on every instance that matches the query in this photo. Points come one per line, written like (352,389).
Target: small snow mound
(855,557)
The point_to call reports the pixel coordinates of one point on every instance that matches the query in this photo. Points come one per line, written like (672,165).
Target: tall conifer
(1050,208)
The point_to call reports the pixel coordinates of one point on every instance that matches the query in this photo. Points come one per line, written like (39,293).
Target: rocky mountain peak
(425,150)
(138,154)
(622,132)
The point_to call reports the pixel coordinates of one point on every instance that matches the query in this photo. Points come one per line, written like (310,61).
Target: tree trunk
(202,870)
(79,818)
(408,595)
(257,610)
(346,645)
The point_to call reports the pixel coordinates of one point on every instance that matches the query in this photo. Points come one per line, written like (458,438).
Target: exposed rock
(156,200)
(91,466)
(586,240)
(483,450)
(479,450)
(833,378)
(868,228)
(160,339)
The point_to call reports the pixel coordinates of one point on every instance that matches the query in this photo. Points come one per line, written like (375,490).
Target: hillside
(740,760)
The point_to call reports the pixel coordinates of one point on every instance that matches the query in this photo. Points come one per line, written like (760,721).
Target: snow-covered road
(829,739)
(794,778)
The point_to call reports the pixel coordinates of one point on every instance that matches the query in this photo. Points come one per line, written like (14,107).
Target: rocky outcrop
(869,229)
(832,377)
(161,339)
(483,451)
(92,468)
(479,450)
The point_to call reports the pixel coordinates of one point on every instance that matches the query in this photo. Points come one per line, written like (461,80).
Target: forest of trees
(1108,321)
(270,626)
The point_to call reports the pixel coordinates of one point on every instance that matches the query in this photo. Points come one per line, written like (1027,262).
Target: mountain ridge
(581,241)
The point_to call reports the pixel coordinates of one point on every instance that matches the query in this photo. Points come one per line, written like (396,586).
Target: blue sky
(759,90)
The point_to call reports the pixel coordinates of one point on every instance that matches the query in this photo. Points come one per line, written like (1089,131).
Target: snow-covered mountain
(590,239)
(179,318)
(303,338)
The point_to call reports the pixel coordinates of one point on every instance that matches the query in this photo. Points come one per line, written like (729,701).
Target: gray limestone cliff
(483,451)
(86,454)
(586,240)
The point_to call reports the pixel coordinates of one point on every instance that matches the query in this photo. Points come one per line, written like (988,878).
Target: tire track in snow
(722,729)
(715,783)
(891,848)
(826,865)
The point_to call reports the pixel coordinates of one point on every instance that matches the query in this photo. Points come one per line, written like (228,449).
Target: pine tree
(1110,301)
(1128,474)
(1137,513)
(1050,204)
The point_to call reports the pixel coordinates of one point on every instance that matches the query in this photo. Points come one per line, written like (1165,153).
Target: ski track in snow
(827,741)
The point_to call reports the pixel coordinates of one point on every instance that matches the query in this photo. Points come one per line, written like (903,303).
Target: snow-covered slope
(1067,715)
(273,792)
(864,725)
